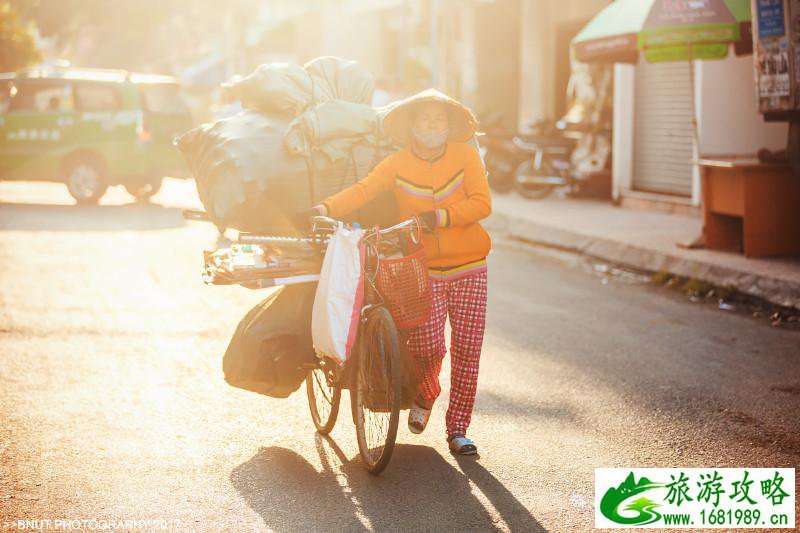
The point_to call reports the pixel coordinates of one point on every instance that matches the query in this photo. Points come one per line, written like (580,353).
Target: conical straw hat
(397,123)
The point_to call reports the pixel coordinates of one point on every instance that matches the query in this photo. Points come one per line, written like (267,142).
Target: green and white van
(91,128)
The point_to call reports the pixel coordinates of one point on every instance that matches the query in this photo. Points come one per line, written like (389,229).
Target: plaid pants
(464,299)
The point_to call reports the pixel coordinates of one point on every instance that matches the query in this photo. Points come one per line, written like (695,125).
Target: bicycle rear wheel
(375,390)
(323,400)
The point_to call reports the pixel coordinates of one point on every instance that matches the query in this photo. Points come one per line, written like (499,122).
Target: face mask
(430,139)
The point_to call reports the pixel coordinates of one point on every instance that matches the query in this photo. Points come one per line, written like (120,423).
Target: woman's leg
(466,298)
(427,344)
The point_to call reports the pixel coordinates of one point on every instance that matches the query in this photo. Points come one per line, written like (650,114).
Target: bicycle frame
(366,399)
(322,227)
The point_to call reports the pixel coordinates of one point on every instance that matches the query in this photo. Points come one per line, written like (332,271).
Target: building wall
(729,120)
(623,129)
(545,26)
(333,30)
(372,35)
(497,59)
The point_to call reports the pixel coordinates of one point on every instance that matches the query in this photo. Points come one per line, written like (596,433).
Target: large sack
(235,161)
(288,89)
(334,78)
(282,88)
(256,169)
(247,180)
(332,127)
(272,343)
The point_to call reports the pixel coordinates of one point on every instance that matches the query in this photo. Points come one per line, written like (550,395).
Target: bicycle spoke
(376,390)
(377,380)
(322,384)
(323,395)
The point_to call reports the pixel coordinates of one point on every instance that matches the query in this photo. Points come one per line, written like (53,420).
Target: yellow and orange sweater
(453,185)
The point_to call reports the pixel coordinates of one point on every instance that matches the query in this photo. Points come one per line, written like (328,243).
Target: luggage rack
(260,261)
(250,265)
(282,240)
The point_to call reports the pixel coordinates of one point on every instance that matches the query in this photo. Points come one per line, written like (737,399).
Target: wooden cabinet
(751,207)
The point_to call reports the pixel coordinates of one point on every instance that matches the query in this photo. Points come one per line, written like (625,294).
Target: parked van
(90,129)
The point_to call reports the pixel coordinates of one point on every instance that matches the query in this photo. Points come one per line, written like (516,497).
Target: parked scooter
(501,155)
(562,155)
(547,164)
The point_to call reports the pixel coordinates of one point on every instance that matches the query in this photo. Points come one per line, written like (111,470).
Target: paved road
(112,403)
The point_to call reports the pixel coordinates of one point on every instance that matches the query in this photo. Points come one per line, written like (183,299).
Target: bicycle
(373,372)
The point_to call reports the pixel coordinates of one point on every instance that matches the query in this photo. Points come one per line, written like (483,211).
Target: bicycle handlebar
(402,225)
(253,238)
(333,223)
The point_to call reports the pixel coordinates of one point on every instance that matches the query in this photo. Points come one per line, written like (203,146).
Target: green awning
(664,30)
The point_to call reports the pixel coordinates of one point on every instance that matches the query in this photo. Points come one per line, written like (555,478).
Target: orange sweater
(454,185)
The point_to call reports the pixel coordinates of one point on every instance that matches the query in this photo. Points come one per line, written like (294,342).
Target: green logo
(615,497)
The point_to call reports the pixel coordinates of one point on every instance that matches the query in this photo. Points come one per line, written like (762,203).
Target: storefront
(663,149)
(654,154)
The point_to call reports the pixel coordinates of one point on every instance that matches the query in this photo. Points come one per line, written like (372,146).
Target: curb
(776,291)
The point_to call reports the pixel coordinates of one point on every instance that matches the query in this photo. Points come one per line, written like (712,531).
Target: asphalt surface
(113,405)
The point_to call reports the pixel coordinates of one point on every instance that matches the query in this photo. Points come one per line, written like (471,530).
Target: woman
(442,180)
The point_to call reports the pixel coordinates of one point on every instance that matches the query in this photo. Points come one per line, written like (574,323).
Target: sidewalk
(643,240)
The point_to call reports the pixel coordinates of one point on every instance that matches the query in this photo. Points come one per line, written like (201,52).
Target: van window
(163,98)
(96,97)
(41,97)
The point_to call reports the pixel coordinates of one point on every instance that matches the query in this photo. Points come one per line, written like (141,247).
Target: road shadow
(419,491)
(500,404)
(54,217)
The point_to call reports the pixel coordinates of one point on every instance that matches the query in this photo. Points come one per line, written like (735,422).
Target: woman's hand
(428,220)
(302,219)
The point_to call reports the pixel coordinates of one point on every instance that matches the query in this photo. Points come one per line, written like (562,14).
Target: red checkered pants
(464,300)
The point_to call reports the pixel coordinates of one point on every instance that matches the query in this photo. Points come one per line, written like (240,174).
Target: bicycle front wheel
(323,400)
(375,391)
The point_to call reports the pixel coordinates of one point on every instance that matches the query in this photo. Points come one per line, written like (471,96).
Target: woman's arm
(344,202)
(477,204)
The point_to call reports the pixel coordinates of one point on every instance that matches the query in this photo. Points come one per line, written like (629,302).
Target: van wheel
(143,190)
(86,180)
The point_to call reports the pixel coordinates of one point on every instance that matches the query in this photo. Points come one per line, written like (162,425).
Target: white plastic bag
(339,296)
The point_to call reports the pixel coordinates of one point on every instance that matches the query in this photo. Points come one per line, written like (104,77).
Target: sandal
(418,418)
(461,445)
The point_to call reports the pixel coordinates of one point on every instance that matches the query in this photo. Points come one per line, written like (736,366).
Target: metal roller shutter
(663,148)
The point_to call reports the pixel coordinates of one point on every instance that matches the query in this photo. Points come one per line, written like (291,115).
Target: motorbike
(561,155)
(501,155)
(551,156)
(547,163)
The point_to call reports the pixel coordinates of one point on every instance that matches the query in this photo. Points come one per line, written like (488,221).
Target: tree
(17,45)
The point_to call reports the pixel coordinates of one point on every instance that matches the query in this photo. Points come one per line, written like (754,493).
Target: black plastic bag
(272,343)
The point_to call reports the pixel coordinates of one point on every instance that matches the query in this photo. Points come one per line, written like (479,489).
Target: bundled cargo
(306,133)
(290,89)
(333,128)
(282,88)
